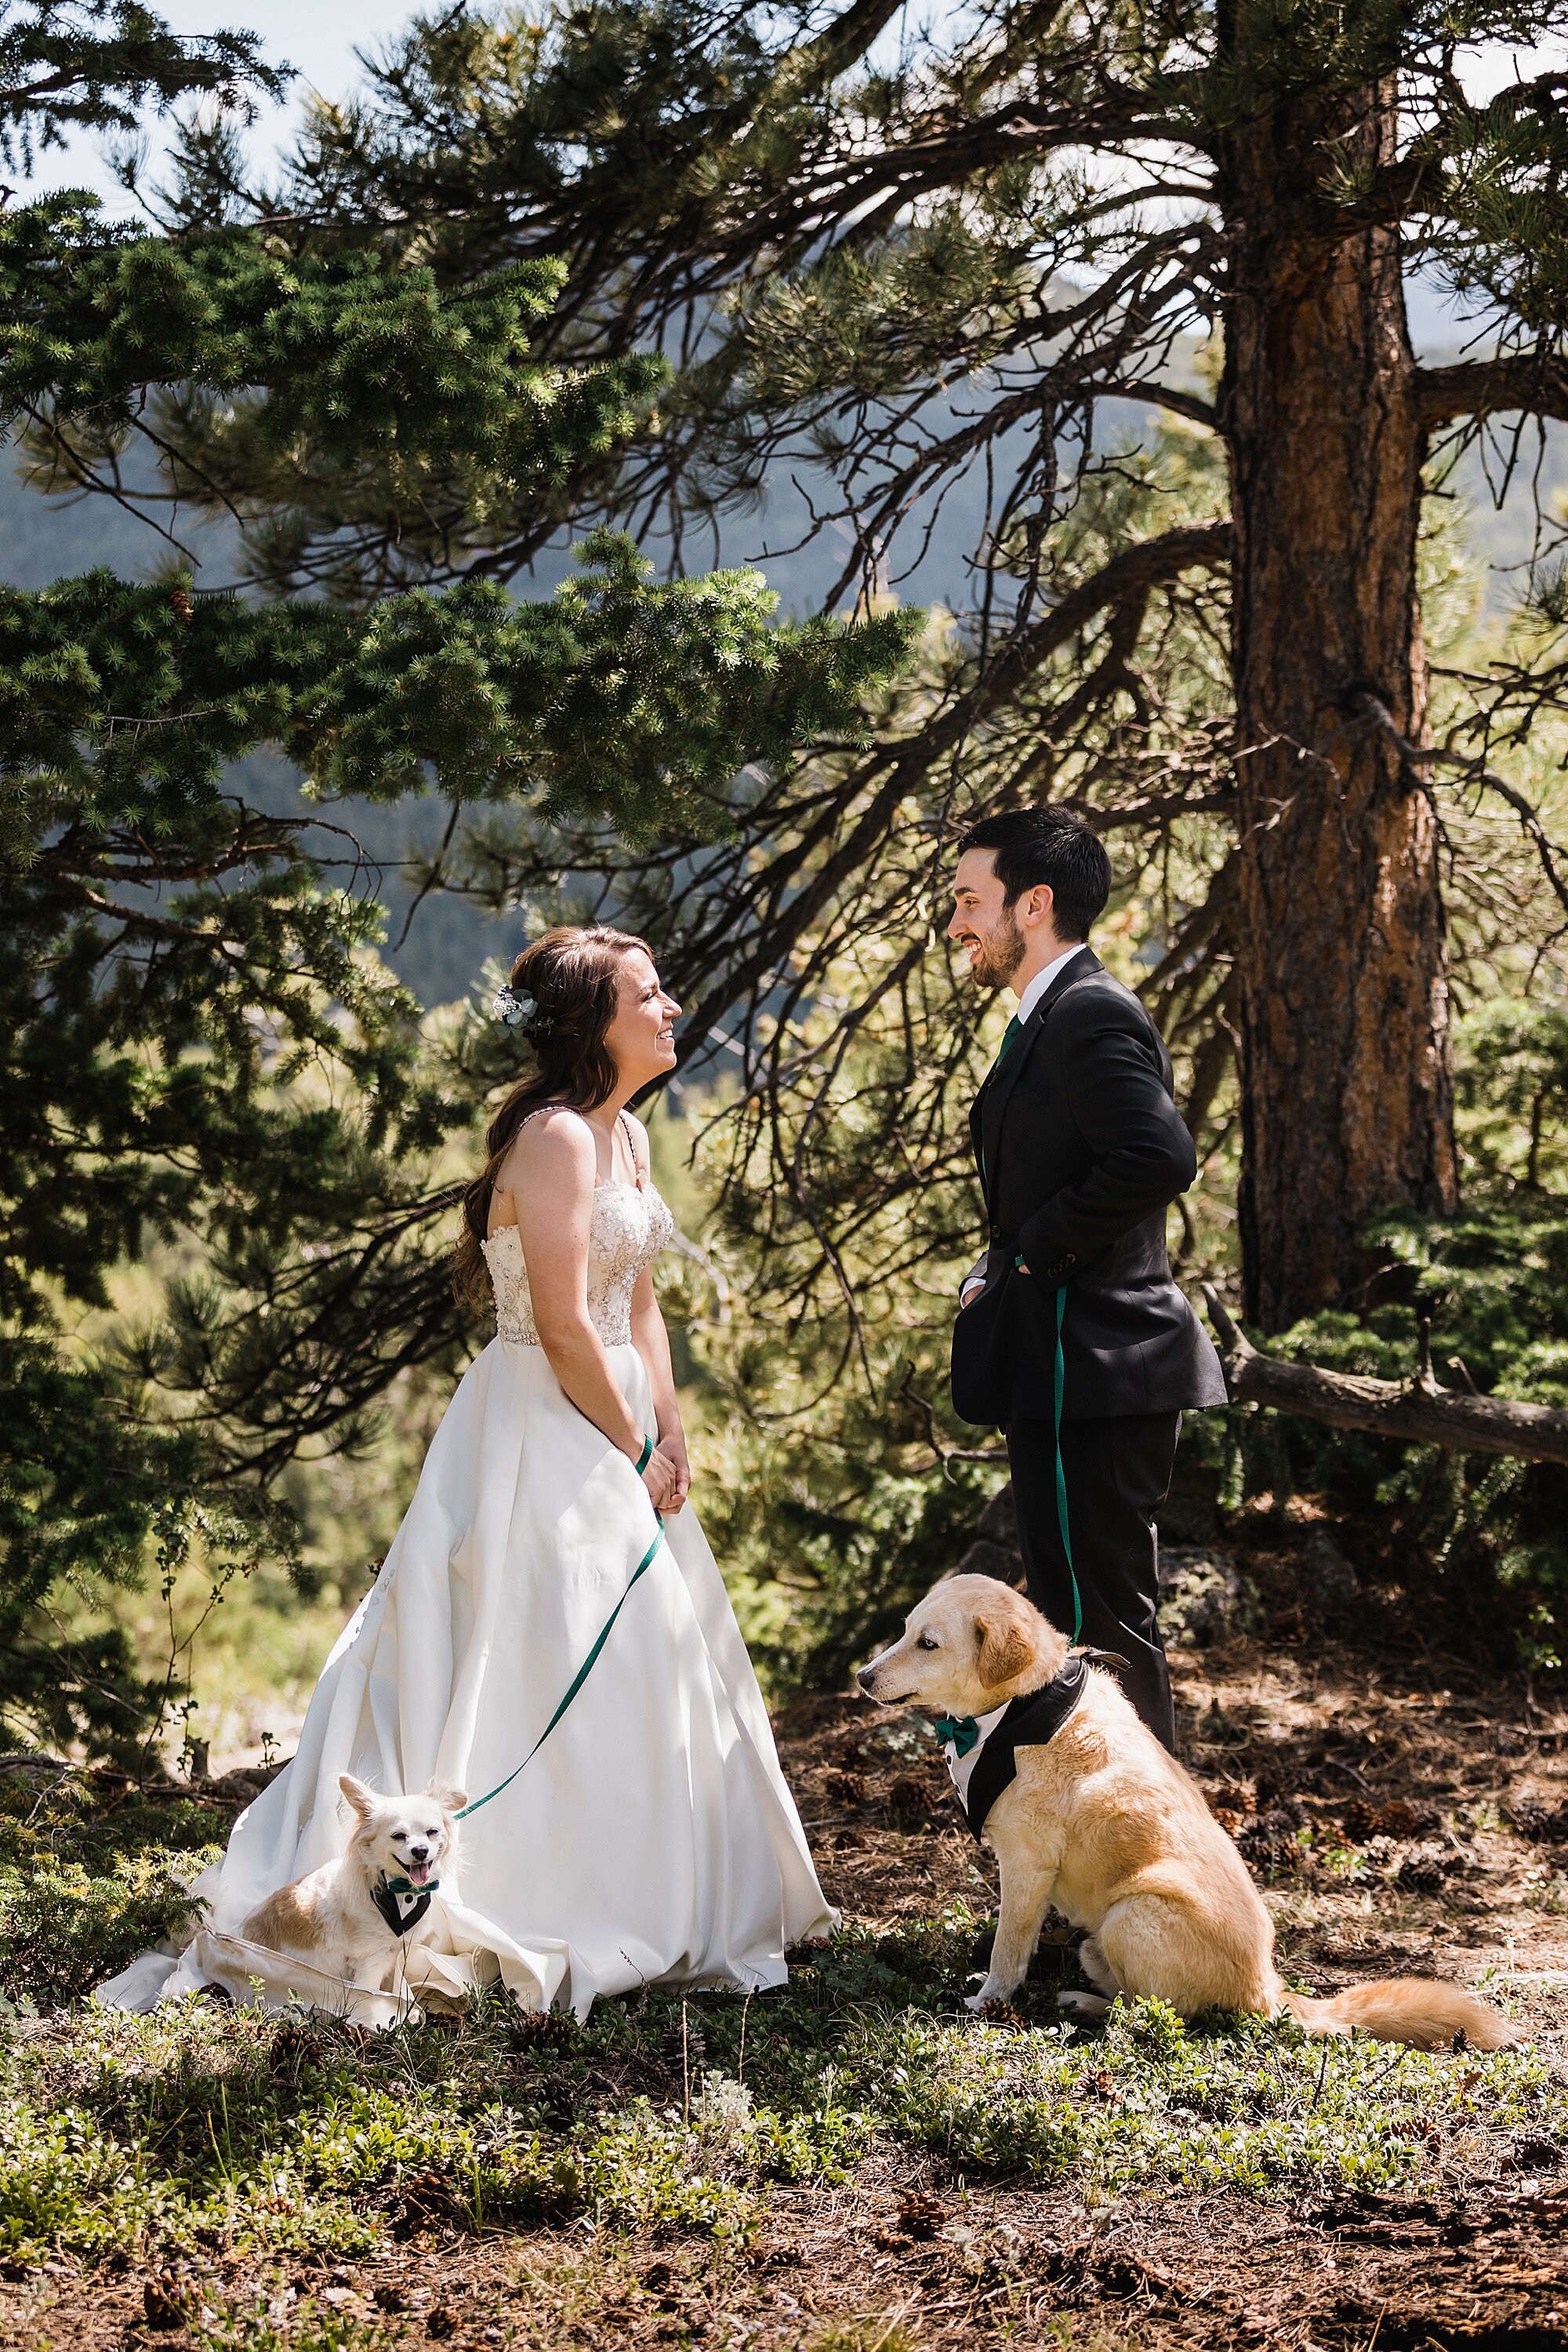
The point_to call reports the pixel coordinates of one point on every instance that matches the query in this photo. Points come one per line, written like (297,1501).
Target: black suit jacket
(1082,1152)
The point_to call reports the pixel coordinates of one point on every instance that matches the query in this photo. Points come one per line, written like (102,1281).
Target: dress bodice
(630,1225)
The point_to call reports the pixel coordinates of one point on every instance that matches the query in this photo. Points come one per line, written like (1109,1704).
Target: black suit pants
(1118,1474)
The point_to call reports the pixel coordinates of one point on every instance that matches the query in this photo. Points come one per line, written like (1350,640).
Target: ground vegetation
(856,2154)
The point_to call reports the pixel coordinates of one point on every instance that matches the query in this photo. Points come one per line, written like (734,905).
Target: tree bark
(1346,1086)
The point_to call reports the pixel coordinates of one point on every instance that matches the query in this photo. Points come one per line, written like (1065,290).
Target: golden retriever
(1107,1826)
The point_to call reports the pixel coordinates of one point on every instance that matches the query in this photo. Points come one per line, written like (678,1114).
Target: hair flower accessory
(517,1012)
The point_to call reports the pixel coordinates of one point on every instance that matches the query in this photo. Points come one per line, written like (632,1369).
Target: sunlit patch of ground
(874,2169)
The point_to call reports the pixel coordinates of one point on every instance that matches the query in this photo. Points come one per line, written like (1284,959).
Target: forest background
(266,1293)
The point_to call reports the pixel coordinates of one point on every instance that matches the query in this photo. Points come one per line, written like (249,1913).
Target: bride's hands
(658,1477)
(673,1449)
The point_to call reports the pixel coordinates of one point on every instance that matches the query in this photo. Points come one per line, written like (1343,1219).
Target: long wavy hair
(572,975)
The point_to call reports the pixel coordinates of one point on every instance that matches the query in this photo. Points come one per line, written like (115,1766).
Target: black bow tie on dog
(1029,1721)
(390,1895)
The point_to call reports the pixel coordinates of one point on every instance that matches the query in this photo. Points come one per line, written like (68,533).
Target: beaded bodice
(630,1225)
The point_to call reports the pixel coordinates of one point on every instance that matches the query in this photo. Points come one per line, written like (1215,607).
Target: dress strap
(629,1131)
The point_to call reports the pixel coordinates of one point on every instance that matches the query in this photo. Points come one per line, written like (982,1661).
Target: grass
(203,2128)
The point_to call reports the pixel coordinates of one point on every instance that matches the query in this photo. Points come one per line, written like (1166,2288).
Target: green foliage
(185,990)
(1491,1286)
(925,297)
(231,2129)
(72,65)
(203,1057)
(1234,2104)
(83,1892)
(201,2126)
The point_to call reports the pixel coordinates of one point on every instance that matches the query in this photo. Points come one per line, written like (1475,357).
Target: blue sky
(317,37)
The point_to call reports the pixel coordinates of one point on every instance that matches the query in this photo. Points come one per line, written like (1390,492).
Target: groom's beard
(1002,950)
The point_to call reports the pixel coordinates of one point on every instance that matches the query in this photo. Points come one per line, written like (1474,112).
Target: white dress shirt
(1043,979)
(1037,988)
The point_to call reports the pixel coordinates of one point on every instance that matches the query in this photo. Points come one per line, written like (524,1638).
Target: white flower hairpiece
(517,1012)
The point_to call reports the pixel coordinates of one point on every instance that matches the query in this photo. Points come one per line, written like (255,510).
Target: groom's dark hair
(1050,845)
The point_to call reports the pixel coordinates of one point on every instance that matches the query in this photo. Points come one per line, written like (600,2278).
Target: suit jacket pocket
(1011,1328)
(981,1356)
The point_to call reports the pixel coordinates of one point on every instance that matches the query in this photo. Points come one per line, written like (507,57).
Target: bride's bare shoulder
(554,1146)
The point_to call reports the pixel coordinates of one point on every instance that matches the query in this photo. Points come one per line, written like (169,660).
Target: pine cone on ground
(1000,2012)
(1427,1870)
(1398,1818)
(920,2215)
(908,1800)
(295,2044)
(541,2029)
(695,2046)
(1542,1824)
(165,2299)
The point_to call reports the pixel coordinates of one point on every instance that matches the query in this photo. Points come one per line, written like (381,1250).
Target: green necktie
(1008,1035)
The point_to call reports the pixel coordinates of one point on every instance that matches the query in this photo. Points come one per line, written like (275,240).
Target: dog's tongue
(418,1871)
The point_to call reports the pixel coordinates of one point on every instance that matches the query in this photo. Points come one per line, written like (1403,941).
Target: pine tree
(905,267)
(200,1046)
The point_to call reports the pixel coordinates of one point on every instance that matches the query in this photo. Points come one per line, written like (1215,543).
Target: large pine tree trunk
(1345,1067)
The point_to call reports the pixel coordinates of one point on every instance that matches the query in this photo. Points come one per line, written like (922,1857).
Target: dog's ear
(450,1800)
(1004,1643)
(361,1799)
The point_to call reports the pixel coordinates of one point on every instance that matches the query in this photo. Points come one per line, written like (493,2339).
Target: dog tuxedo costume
(402,1905)
(982,1749)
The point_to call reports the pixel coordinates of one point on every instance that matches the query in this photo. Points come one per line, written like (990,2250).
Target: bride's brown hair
(572,975)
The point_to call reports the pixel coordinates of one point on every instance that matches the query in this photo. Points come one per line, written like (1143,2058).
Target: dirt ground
(1453,1783)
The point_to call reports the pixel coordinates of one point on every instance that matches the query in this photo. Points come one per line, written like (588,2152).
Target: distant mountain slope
(447,943)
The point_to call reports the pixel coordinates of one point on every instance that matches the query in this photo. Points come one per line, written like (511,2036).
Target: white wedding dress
(652,1840)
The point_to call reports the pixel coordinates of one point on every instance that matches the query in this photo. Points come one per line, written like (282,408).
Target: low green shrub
(201,2126)
(1234,2103)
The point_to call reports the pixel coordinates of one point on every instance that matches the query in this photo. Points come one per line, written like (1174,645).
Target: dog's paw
(993,1989)
(1083,2004)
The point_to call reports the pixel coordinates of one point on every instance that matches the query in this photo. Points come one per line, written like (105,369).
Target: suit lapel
(991,1103)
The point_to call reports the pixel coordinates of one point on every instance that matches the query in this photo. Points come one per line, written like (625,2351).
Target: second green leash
(1062,1473)
(586,1668)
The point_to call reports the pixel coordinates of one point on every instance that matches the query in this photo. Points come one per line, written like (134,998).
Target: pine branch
(845,40)
(802,888)
(1530,383)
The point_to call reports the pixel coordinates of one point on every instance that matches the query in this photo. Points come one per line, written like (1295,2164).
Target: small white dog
(349,1918)
(1084,1809)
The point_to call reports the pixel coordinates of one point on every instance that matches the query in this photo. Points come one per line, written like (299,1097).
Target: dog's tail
(1416,2010)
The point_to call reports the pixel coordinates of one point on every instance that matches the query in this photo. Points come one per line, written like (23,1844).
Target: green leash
(1062,1473)
(1007,1036)
(586,1668)
(1060,1383)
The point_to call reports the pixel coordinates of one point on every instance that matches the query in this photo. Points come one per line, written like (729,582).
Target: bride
(651,1838)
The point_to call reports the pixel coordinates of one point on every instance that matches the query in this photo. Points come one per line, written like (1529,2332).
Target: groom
(1073,1335)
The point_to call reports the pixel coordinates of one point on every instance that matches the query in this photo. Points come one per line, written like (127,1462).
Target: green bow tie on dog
(959,1732)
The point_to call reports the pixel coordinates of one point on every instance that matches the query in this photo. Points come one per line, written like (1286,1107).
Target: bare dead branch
(1419,1411)
(1532,383)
